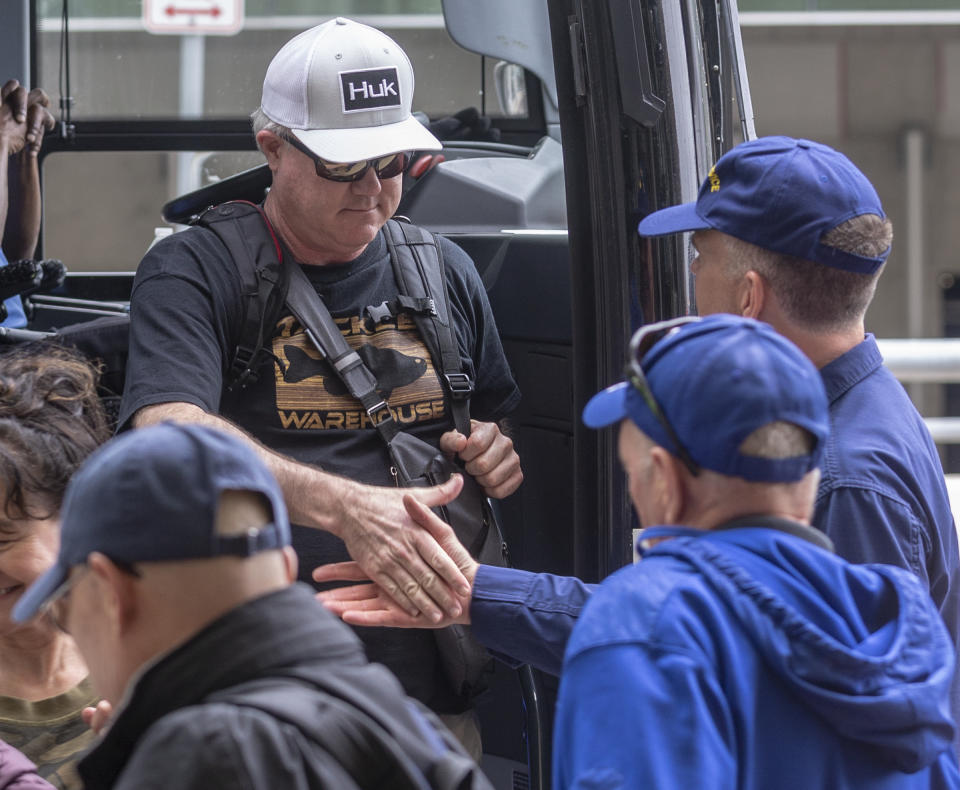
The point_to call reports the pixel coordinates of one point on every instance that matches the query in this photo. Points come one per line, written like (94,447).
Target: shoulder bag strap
(313,315)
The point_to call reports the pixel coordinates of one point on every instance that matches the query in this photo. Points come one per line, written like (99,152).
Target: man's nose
(369,184)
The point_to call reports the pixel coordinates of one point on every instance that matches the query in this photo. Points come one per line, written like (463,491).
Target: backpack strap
(255,250)
(418,267)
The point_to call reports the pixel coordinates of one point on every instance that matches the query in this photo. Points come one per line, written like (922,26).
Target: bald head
(122,620)
(215,585)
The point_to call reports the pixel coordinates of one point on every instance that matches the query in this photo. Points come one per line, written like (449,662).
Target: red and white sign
(209,17)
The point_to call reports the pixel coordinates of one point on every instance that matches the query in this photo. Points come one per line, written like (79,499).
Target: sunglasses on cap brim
(645,338)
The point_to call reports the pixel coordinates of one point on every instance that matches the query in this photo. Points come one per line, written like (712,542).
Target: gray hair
(260,122)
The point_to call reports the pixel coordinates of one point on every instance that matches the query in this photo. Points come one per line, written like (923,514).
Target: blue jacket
(882,496)
(526,618)
(751,658)
(15,315)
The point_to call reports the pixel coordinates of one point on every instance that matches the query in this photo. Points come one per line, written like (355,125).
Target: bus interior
(564,122)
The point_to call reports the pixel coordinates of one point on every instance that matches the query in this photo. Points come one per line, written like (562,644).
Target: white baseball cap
(345,90)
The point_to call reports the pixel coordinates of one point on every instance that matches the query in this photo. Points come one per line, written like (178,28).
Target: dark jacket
(275,694)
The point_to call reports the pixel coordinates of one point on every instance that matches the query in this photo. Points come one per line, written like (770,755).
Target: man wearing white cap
(336,128)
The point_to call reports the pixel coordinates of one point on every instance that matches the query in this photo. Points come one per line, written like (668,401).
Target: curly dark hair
(50,421)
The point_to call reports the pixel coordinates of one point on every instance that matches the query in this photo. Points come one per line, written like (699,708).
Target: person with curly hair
(50,421)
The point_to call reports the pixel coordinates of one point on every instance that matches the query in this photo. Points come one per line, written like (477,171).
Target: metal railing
(927,360)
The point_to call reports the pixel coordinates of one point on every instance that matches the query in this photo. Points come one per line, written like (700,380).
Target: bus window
(101,209)
(121,71)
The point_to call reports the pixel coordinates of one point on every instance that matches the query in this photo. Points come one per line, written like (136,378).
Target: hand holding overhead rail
(13,117)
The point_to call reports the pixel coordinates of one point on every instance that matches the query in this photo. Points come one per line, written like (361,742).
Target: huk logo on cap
(369,89)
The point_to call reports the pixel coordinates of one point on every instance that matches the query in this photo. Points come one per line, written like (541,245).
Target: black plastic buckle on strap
(459,384)
(422,305)
(241,368)
(376,314)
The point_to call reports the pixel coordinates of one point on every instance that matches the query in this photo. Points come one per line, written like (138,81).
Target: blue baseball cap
(717,380)
(151,495)
(781,194)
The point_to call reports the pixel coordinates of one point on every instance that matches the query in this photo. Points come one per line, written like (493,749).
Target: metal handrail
(922,359)
(927,360)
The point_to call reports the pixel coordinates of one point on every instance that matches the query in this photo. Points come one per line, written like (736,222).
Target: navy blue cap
(151,495)
(783,195)
(718,380)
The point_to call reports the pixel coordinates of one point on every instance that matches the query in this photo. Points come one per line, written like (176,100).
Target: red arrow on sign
(174,11)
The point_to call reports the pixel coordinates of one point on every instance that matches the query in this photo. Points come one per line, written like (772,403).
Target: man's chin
(363,226)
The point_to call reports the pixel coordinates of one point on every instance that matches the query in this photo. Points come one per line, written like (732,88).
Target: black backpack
(240,226)
(418,267)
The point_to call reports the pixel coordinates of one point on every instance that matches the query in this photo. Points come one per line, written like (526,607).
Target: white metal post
(192,49)
(914,151)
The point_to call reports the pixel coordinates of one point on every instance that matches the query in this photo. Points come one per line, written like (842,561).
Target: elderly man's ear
(659,489)
(291,563)
(117,592)
(669,486)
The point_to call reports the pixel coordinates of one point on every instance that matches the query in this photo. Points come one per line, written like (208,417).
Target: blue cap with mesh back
(717,380)
(781,194)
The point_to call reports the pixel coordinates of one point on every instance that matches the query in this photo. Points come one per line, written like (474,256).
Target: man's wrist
(322,500)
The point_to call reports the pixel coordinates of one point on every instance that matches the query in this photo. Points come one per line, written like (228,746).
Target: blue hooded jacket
(751,658)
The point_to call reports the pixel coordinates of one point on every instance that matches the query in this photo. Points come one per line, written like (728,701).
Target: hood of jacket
(862,645)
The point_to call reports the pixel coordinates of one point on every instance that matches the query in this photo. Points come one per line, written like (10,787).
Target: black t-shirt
(186,313)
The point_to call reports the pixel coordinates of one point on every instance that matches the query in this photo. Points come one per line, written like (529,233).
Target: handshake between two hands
(365,603)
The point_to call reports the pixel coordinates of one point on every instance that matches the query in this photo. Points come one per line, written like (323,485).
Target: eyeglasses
(55,607)
(642,341)
(387,166)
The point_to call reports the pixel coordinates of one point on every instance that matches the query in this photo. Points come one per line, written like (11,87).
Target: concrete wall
(860,89)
